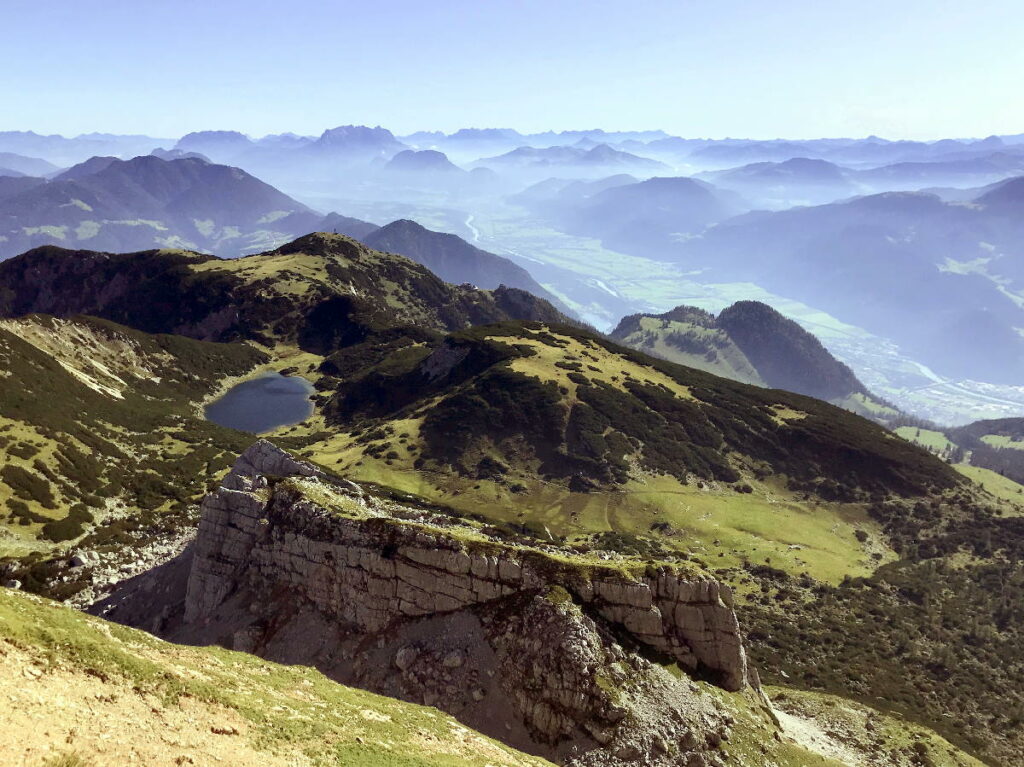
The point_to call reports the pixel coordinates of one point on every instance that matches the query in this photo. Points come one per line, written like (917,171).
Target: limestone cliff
(545,648)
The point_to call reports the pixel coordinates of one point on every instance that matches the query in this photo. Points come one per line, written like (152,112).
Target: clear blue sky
(766,68)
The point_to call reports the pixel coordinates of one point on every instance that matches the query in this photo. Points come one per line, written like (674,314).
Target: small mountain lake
(262,404)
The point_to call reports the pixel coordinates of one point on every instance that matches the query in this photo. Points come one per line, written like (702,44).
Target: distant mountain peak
(147,201)
(1006,193)
(749,341)
(348,134)
(211,138)
(422,161)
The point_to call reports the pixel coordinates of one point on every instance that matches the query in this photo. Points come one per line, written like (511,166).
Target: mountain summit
(146,202)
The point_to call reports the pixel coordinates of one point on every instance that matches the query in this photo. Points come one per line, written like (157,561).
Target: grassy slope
(698,517)
(709,349)
(317,291)
(846,728)
(786,552)
(691,338)
(113,694)
(1003,441)
(935,441)
(97,420)
(748,523)
(1002,488)
(85,678)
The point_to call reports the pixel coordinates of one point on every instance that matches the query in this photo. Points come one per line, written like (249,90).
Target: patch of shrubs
(22,513)
(28,486)
(23,450)
(69,528)
(627,543)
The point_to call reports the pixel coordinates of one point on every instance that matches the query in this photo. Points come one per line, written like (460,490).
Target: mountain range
(939,278)
(474,466)
(600,159)
(636,217)
(452,258)
(496,536)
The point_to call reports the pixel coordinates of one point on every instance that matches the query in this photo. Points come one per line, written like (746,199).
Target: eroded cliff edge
(557,652)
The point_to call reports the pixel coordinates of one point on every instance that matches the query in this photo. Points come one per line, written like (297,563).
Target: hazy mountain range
(147,202)
(695,205)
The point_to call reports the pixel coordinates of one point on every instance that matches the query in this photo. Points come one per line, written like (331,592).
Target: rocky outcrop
(404,600)
(370,571)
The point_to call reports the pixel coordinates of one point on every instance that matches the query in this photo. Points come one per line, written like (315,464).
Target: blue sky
(794,68)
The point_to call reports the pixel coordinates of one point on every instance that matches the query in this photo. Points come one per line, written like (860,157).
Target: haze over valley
(926,231)
(511,384)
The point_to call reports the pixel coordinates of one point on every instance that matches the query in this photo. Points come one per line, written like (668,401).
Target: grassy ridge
(272,714)
(322,291)
(579,406)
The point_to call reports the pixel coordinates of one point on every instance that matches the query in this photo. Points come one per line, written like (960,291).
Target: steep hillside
(81,691)
(994,445)
(12,185)
(570,435)
(651,215)
(751,342)
(569,405)
(888,556)
(98,429)
(687,336)
(786,355)
(451,258)
(148,202)
(320,291)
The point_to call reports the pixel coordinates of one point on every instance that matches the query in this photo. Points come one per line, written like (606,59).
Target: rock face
(296,566)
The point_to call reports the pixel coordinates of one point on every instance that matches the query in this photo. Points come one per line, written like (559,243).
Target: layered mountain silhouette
(651,215)
(936,277)
(18,165)
(938,173)
(147,202)
(62,151)
(600,158)
(796,180)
